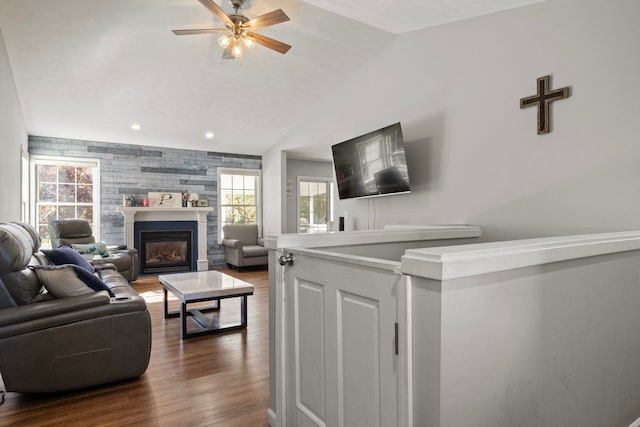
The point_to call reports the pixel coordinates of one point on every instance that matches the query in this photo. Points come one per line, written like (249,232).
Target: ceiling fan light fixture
(239,29)
(224,41)
(249,41)
(236,50)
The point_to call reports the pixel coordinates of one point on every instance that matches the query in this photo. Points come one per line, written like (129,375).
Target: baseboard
(271,418)
(636,423)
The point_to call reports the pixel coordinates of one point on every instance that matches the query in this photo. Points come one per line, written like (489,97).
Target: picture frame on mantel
(165,200)
(203,203)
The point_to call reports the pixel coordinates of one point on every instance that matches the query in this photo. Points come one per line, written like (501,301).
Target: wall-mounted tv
(372,165)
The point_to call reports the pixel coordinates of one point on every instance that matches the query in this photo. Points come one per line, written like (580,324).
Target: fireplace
(165,251)
(137,219)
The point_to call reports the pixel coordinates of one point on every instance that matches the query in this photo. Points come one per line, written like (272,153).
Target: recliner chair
(67,232)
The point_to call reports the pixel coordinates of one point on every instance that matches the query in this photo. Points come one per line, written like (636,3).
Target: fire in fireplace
(164,251)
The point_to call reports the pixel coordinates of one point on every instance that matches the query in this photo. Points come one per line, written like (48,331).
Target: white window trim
(240,171)
(36,159)
(25,185)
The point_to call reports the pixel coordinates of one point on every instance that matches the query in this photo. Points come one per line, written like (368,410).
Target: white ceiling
(401,16)
(89,69)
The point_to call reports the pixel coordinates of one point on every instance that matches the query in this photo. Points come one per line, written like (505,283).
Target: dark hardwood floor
(214,380)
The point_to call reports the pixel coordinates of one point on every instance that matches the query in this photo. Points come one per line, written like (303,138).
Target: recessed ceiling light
(208,135)
(135,126)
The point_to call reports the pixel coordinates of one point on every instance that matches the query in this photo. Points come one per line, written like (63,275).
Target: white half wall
(12,135)
(474,156)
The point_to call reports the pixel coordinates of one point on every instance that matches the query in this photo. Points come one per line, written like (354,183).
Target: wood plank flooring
(215,380)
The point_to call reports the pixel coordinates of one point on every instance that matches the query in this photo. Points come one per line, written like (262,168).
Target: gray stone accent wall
(133,169)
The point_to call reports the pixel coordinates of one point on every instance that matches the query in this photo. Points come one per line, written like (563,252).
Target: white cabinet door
(341,362)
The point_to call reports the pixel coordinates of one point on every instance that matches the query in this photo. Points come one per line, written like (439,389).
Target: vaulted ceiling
(90,69)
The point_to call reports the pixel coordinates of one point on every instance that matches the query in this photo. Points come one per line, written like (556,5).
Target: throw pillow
(91,280)
(98,248)
(65,255)
(68,280)
(61,281)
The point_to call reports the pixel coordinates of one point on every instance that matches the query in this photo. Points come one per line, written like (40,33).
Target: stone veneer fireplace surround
(142,214)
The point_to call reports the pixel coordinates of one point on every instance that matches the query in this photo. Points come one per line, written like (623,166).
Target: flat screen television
(372,165)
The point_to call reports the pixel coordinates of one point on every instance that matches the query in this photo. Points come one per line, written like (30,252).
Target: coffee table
(204,286)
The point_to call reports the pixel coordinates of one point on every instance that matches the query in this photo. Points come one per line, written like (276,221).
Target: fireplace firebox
(165,251)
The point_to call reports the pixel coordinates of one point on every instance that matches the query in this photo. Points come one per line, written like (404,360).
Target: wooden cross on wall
(543,100)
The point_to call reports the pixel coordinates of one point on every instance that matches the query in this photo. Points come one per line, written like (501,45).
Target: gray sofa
(67,232)
(243,247)
(50,344)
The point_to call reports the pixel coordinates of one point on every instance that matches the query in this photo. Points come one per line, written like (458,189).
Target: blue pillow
(91,280)
(65,255)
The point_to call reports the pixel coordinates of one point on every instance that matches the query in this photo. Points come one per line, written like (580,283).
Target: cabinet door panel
(358,361)
(309,351)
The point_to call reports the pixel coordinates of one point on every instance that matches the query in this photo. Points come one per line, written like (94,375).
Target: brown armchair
(67,232)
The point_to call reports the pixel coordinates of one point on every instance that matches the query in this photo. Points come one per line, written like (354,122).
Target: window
(314,204)
(64,188)
(238,197)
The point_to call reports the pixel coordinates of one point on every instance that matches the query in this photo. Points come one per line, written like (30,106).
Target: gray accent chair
(50,344)
(243,247)
(66,232)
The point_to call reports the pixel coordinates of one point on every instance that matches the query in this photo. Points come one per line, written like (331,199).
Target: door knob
(286,259)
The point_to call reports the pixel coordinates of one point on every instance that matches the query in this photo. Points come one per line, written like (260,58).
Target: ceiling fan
(238,29)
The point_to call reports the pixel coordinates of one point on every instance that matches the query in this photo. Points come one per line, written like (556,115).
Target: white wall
(12,135)
(273,201)
(474,156)
(295,169)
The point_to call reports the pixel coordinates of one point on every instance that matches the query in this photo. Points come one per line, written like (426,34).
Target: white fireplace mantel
(133,215)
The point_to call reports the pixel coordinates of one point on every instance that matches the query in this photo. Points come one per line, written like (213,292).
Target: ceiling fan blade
(271,18)
(202,31)
(270,43)
(217,10)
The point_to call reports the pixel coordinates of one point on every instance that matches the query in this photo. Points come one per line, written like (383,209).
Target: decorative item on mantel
(193,198)
(185,199)
(129,201)
(165,200)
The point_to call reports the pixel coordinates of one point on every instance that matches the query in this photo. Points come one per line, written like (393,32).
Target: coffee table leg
(183,320)
(165,303)
(243,311)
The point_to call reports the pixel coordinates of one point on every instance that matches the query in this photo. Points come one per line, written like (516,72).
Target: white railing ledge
(451,262)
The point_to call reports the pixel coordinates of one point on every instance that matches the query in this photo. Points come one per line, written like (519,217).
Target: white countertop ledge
(363,237)
(451,262)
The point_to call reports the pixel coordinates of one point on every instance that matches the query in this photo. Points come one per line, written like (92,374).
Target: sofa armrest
(232,243)
(103,266)
(115,248)
(66,311)
(260,241)
(45,309)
